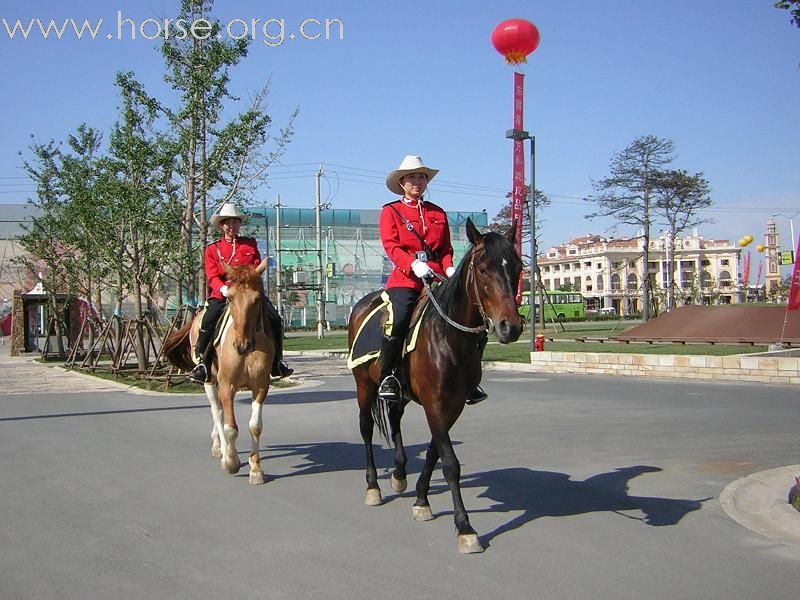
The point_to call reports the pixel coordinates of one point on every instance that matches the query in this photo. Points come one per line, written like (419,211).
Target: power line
(443,186)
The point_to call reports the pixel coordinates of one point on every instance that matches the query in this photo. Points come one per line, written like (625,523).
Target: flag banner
(518,189)
(794,288)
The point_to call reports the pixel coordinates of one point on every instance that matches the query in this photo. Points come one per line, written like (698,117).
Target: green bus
(559,306)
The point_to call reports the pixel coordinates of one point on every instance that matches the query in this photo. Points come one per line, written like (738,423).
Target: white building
(608,271)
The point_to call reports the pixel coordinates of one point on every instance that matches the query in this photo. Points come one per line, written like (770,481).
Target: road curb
(760,503)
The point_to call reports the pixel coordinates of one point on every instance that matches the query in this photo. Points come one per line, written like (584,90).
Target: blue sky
(719,78)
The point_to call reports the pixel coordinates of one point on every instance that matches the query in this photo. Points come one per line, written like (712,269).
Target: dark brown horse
(243,359)
(443,369)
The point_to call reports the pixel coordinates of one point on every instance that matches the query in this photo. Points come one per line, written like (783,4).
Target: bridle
(487,326)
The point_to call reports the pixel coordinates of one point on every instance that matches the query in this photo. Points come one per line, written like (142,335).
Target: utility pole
(320,299)
(278,254)
(266,254)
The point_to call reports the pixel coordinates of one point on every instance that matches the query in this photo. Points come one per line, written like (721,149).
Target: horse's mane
(245,276)
(449,295)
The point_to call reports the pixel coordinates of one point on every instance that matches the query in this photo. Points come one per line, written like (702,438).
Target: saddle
(367,342)
(223,324)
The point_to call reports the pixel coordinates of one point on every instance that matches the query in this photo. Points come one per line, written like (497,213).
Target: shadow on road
(532,493)
(331,457)
(547,494)
(303,397)
(91,413)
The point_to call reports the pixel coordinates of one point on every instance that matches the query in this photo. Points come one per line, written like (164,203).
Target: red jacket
(401,244)
(242,251)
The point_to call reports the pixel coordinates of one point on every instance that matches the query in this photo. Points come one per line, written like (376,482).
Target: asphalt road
(580,487)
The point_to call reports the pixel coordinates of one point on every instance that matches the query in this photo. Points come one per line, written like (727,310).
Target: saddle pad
(220,330)
(367,342)
(225,322)
(416,325)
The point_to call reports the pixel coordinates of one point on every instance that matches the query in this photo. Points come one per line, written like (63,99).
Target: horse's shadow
(299,397)
(531,493)
(330,457)
(537,494)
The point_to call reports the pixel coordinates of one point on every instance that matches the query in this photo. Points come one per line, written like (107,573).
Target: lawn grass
(337,340)
(333,340)
(180,385)
(520,351)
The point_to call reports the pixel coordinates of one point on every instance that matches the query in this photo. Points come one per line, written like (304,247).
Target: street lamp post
(791,226)
(516,39)
(519,134)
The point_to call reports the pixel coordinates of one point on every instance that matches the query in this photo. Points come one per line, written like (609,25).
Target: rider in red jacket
(235,251)
(416,238)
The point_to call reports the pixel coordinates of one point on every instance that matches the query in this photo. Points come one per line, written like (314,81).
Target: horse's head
(245,289)
(496,268)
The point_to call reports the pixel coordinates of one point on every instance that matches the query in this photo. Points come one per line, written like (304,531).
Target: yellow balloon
(742,242)
(760,247)
(748,238)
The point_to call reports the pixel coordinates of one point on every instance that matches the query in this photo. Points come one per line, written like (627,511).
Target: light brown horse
(243,359)
(443,369)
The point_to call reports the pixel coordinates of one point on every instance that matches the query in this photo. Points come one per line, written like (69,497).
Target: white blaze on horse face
(507,274)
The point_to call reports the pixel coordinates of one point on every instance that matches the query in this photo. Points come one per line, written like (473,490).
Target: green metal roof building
(350,251)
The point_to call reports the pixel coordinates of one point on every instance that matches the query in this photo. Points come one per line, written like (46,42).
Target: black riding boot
(391,350)
(279,366)
(479,394)
(204,353)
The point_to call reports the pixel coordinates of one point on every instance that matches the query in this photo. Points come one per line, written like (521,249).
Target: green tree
(62,240)
(48,258)
(793,6)
(678,198)
(80,174)
(219,161)
(137,219)
(503,219)
(626,194)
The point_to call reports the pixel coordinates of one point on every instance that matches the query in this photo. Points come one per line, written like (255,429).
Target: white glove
(224,291)
(449,271)
(421,269)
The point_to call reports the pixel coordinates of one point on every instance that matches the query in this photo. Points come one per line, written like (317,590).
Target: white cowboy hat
(228,211)
(410,164)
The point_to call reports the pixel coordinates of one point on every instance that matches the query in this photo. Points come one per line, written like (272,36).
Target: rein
(487,322)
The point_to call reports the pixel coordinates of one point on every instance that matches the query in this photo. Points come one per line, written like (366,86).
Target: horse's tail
(380,415)
(178,348)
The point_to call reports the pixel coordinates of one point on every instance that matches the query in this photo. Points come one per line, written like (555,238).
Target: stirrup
(479,395)
(281,369)
(390,389)
(199,374)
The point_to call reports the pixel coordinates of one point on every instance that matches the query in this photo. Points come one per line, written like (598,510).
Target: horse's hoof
(469,544)
(373,497)
(256,478)
(398,485)
(231,466)
(422,513)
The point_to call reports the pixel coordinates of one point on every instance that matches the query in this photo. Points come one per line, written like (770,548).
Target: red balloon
(515,39)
